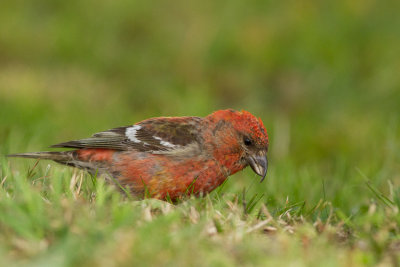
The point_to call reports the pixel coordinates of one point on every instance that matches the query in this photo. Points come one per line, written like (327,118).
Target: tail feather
(69,158)
(63,156)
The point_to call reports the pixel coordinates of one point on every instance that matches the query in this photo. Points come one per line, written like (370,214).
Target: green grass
(322,75)
(55,215)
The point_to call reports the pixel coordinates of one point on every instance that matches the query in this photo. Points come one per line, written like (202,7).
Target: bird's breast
(161,176)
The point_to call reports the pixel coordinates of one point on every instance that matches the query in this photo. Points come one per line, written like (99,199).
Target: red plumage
(171,156)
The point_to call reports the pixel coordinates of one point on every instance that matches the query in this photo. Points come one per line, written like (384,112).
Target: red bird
(171,156)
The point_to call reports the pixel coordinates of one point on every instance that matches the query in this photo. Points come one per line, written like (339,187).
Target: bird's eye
(247,141)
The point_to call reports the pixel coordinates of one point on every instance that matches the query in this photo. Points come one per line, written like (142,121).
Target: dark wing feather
(104,139)
(155,135)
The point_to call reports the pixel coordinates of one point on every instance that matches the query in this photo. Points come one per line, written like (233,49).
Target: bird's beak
(259,164)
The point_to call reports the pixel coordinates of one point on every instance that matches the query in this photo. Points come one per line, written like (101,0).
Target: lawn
(323,77)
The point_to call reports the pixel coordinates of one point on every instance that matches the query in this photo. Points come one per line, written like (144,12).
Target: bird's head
(242,134)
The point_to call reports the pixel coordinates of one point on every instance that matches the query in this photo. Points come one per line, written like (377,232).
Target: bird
(170,157)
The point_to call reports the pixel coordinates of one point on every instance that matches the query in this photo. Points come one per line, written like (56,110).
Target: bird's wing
(162,135)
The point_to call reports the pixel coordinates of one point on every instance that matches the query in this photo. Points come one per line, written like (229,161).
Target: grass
(54,215)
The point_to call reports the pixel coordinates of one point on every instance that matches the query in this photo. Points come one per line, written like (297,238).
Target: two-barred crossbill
(164,156)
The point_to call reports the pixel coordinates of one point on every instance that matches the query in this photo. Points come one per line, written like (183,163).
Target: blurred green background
(322,75)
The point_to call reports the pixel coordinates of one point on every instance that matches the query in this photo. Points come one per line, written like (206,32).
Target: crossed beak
(259,164)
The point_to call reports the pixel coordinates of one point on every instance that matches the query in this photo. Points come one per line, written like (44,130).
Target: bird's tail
(63,156)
